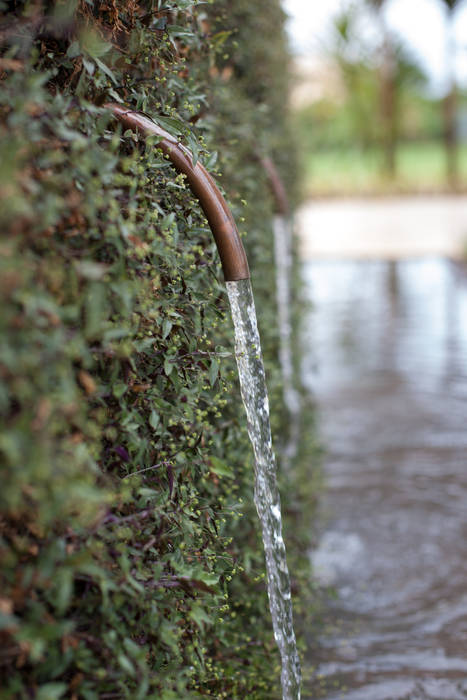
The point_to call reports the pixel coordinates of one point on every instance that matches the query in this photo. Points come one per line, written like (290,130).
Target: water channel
(386,360)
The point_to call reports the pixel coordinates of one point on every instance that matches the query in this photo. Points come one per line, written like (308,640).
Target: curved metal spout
(277,186)
(220,219)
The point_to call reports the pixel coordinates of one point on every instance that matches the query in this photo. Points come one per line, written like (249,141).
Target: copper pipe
(277,186)
(220,219)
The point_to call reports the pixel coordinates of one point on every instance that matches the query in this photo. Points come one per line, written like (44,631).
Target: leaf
(115,334)
(119,389)
(87,382)
(105,69)
(154,419)
(64,588)
(116,96)
(175,30)
(166,328)
(89,65)
(51,691)
(199,616)
(126,664)
(209,579)
(122,453)
(161,23)
(172,125)
(93,44)
(219,467)
(168,366)
(131,647)
(211,160)
(7,621)
(91,270)
(168,634)
(10,63)
(194,147)
(74,50)
(170,477)
(204,584)
(168,221)
(213,371)
(219,39)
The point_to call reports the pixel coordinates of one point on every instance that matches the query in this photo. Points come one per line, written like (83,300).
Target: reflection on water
(387,364)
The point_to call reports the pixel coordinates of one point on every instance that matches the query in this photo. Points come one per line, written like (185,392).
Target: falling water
(282,240)
(267,500)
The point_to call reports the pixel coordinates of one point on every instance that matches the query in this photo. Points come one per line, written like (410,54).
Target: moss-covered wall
(131,561)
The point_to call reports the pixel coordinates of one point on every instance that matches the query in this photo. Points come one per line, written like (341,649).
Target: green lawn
(420,168)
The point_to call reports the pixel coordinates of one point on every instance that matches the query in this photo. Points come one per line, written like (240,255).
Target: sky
(419,23)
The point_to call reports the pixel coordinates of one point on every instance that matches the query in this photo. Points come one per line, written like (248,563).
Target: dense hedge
(131,561)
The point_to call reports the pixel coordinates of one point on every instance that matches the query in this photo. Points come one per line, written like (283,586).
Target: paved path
(385,357)
(390,228)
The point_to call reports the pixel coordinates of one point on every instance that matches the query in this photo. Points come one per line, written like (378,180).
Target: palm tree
(388,89)
(376,75)
(450,100)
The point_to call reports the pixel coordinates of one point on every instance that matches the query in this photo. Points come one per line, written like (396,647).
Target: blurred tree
(377,73)
(387,69)
(450,100)
(353,60)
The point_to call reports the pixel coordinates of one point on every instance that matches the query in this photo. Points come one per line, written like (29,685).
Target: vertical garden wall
(131,559)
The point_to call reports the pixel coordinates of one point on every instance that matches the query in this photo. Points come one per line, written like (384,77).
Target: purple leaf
(122,453)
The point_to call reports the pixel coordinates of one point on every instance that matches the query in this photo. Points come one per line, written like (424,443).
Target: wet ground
(387,363)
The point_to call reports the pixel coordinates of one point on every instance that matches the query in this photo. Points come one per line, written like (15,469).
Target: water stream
(386,361)
(267,500)
(282,228)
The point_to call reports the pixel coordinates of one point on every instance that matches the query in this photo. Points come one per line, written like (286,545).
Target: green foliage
(131,560)
(376,89)
(373,114)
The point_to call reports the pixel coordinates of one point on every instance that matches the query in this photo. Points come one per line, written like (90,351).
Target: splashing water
(267,500)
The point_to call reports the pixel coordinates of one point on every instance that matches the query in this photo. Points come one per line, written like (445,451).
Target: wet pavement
(386,361)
